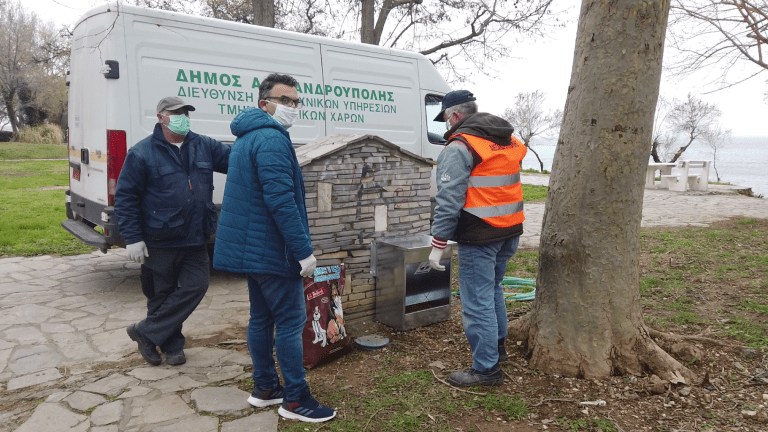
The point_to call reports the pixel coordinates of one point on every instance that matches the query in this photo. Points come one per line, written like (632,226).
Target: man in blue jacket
(264,232)
(166,215)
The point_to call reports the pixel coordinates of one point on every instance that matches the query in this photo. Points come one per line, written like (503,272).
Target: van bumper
(86,234)
(84,215)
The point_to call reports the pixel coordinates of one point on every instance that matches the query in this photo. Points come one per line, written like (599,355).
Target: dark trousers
(180,281)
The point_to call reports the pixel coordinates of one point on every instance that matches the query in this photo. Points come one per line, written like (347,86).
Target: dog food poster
(325,335)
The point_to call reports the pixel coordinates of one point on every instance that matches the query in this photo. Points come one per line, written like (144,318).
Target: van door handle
(84,156)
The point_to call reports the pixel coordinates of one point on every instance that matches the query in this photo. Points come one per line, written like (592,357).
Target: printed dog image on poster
(325,335)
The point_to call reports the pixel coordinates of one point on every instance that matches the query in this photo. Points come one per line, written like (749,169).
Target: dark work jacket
(164,203)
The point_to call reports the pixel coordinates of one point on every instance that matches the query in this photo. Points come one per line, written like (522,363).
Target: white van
(125,59)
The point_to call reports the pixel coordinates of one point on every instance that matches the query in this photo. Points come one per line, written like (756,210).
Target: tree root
(681,338)
(651,356)
(645,355)
(517,330)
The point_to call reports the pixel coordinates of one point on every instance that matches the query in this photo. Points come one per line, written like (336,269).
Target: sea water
(743,161)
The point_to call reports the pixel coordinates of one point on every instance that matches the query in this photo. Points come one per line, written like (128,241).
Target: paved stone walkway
(62,318)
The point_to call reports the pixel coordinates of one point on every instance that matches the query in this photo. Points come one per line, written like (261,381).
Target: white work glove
(137,252)
(308,265)
(434,259)
(438,247)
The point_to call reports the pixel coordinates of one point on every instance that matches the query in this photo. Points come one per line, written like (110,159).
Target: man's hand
(434,259)
(308,265)
(137,252)
(438,247)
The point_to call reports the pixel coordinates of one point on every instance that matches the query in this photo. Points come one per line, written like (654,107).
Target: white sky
(545,66)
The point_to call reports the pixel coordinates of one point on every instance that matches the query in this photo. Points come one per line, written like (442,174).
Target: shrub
(43,134)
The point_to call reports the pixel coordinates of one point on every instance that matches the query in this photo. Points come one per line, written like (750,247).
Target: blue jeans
(278,316)
(484,312)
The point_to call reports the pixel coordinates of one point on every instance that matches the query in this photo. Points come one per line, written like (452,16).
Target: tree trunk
(10,110)
(682,149)
(655,152)
(367,30)
(541,164)
(714,164)
(264,12)
(586,320)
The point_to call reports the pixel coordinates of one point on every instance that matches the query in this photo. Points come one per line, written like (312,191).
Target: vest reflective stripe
(494,191)
(494,181)
(494,212)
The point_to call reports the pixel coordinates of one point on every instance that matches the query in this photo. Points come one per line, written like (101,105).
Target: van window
(435,130)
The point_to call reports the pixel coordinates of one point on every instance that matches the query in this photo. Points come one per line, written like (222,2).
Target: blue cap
(456,97)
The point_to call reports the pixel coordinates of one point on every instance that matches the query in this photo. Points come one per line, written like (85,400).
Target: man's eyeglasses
(285,100)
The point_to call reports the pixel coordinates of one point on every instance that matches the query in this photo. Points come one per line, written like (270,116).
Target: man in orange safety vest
(480,207)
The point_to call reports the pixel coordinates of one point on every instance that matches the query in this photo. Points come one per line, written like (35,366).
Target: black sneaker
(175,358)
(263,399)
(308,410)
(472,377)
(147,349)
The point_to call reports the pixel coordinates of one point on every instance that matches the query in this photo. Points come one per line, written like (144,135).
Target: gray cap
(172,103)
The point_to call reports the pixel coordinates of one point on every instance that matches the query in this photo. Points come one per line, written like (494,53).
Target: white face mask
(284,115)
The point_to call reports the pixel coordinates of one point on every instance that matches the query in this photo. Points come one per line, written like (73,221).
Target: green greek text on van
(309,102)
(227,80)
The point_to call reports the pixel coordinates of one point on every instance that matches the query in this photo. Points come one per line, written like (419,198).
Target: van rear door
(88,99)
(97,127)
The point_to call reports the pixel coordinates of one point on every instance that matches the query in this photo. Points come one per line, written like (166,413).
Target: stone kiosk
(362,188)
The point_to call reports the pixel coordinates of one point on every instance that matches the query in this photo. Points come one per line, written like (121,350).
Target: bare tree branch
(694,118)
(529,120)
(719,34)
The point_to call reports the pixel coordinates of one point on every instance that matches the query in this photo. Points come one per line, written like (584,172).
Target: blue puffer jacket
(264,227)
(160,202)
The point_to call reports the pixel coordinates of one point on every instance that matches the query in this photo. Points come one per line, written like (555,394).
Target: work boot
(502,351)
(472,377)
(175,358)
(147,349)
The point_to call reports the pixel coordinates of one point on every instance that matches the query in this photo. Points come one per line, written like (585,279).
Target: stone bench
(682,179)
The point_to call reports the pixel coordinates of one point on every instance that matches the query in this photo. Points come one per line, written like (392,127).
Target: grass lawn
(693,280)
(533,193)
(32,151)
(32,207)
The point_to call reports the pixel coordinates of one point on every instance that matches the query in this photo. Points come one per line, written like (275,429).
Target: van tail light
(116,151)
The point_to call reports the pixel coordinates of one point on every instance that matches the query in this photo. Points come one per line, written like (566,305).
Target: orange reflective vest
(494,191)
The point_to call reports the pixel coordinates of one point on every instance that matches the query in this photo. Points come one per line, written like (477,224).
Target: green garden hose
(519,283)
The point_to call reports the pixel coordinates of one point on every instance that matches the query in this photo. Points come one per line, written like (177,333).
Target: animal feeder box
(410,293)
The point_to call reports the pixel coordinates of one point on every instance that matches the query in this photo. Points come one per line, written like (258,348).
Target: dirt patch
(631,403)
